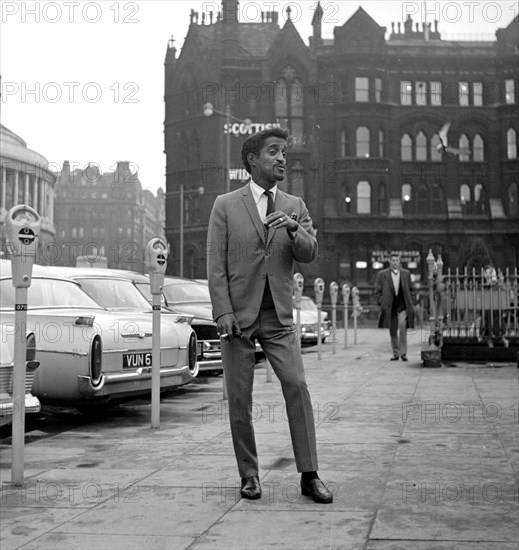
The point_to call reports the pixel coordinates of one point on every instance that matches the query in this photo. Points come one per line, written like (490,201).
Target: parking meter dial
(334,291)
(23,225)
(319,291)
(298,284)
(345,294)
(156,255)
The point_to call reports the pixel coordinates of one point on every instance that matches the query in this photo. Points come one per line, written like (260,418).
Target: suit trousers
(398,332)
(282,348)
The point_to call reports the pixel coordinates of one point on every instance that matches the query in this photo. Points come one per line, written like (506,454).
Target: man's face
(394,263)
(270,165)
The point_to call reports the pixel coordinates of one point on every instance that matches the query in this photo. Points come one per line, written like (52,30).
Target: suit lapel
(248,200)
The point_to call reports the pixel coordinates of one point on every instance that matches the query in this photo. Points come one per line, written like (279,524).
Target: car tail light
(30,354)
(191,352)
(96,360)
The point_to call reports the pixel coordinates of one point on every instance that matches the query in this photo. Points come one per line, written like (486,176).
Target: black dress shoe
(250,488)
(404,357)
(316,489)
(394,358)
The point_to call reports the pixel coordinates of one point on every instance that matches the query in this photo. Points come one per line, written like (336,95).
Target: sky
(83,81)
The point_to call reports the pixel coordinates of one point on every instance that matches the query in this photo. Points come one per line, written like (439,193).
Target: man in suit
(255,235)
(395,298)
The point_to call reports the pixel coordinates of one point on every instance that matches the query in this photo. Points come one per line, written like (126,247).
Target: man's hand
(228,328)
(280,219)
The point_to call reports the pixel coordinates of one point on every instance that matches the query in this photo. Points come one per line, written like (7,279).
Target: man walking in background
(394,296)
(255,235)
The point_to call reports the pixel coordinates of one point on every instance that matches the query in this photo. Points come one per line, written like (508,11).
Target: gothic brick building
(364,110)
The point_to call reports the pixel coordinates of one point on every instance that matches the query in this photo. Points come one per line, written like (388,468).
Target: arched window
(437,199)
(422,200)
(479,199)
(363,197)
(513,200)
(381,143)
(511,144)
(407,199)
(435,153)
(465,194)
(288,99)
(344,143)
(348,199)
(406,146)
(382,198)
(464,147)
(421,146)
(478,153)
(362,139)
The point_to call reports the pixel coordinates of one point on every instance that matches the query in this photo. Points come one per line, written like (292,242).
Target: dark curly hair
(255,142)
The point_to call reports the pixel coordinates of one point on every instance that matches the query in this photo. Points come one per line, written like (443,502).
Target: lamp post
(209,110)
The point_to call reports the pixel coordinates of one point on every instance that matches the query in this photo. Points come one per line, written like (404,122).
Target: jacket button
(264,275)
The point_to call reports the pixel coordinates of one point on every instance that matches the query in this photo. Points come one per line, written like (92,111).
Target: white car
(309,319)
(32,404)
(88,354)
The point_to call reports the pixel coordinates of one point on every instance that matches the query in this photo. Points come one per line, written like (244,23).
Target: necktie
(270,202)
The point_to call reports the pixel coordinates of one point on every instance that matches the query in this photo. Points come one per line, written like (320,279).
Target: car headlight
(96,360)
(31,348)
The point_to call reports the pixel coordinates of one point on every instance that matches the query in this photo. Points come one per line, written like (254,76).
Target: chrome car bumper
(135,382)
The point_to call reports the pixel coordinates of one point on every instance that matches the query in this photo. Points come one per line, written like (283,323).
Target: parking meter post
(298,284)
(268,368)
(345,300)
(224,396)
(23,225)
(334,291)
(356,310)
(319,292)
(156,254)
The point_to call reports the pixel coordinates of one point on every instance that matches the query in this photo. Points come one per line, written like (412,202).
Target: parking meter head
(334,291)
(319,291)
(156,256)
(355,296)
(23,225)
(345,293)
(298,284)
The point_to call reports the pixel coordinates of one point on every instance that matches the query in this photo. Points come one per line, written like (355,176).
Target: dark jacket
(385,293)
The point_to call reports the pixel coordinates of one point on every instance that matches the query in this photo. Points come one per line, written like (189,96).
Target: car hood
(200,313)
(309,317)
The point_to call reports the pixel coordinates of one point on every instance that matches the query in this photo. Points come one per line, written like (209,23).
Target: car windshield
(114,293)
(186,292)
(47,293)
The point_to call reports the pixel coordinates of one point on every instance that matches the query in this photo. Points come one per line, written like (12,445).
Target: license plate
(136,360)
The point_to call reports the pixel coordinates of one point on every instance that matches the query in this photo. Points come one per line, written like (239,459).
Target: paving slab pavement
(417,458)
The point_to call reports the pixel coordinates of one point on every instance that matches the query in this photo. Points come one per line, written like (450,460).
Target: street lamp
(209,110)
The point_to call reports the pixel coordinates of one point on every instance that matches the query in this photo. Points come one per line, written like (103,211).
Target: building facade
(26,179)
(365,111)
(105,219)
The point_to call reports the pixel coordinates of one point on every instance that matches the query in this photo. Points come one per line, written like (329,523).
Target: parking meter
(334,291)
(356,310)
(319,293)
(298,284)
(156,255)
(345,291)
(23,227)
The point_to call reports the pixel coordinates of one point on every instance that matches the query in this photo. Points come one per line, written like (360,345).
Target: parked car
(194,303)
(32,404)
(91,355)
(309,321)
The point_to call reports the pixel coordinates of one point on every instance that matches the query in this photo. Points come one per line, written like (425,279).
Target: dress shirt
(395,275)
(261,199)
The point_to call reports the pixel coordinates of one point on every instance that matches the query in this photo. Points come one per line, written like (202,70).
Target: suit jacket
(385,293)
(240,257)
